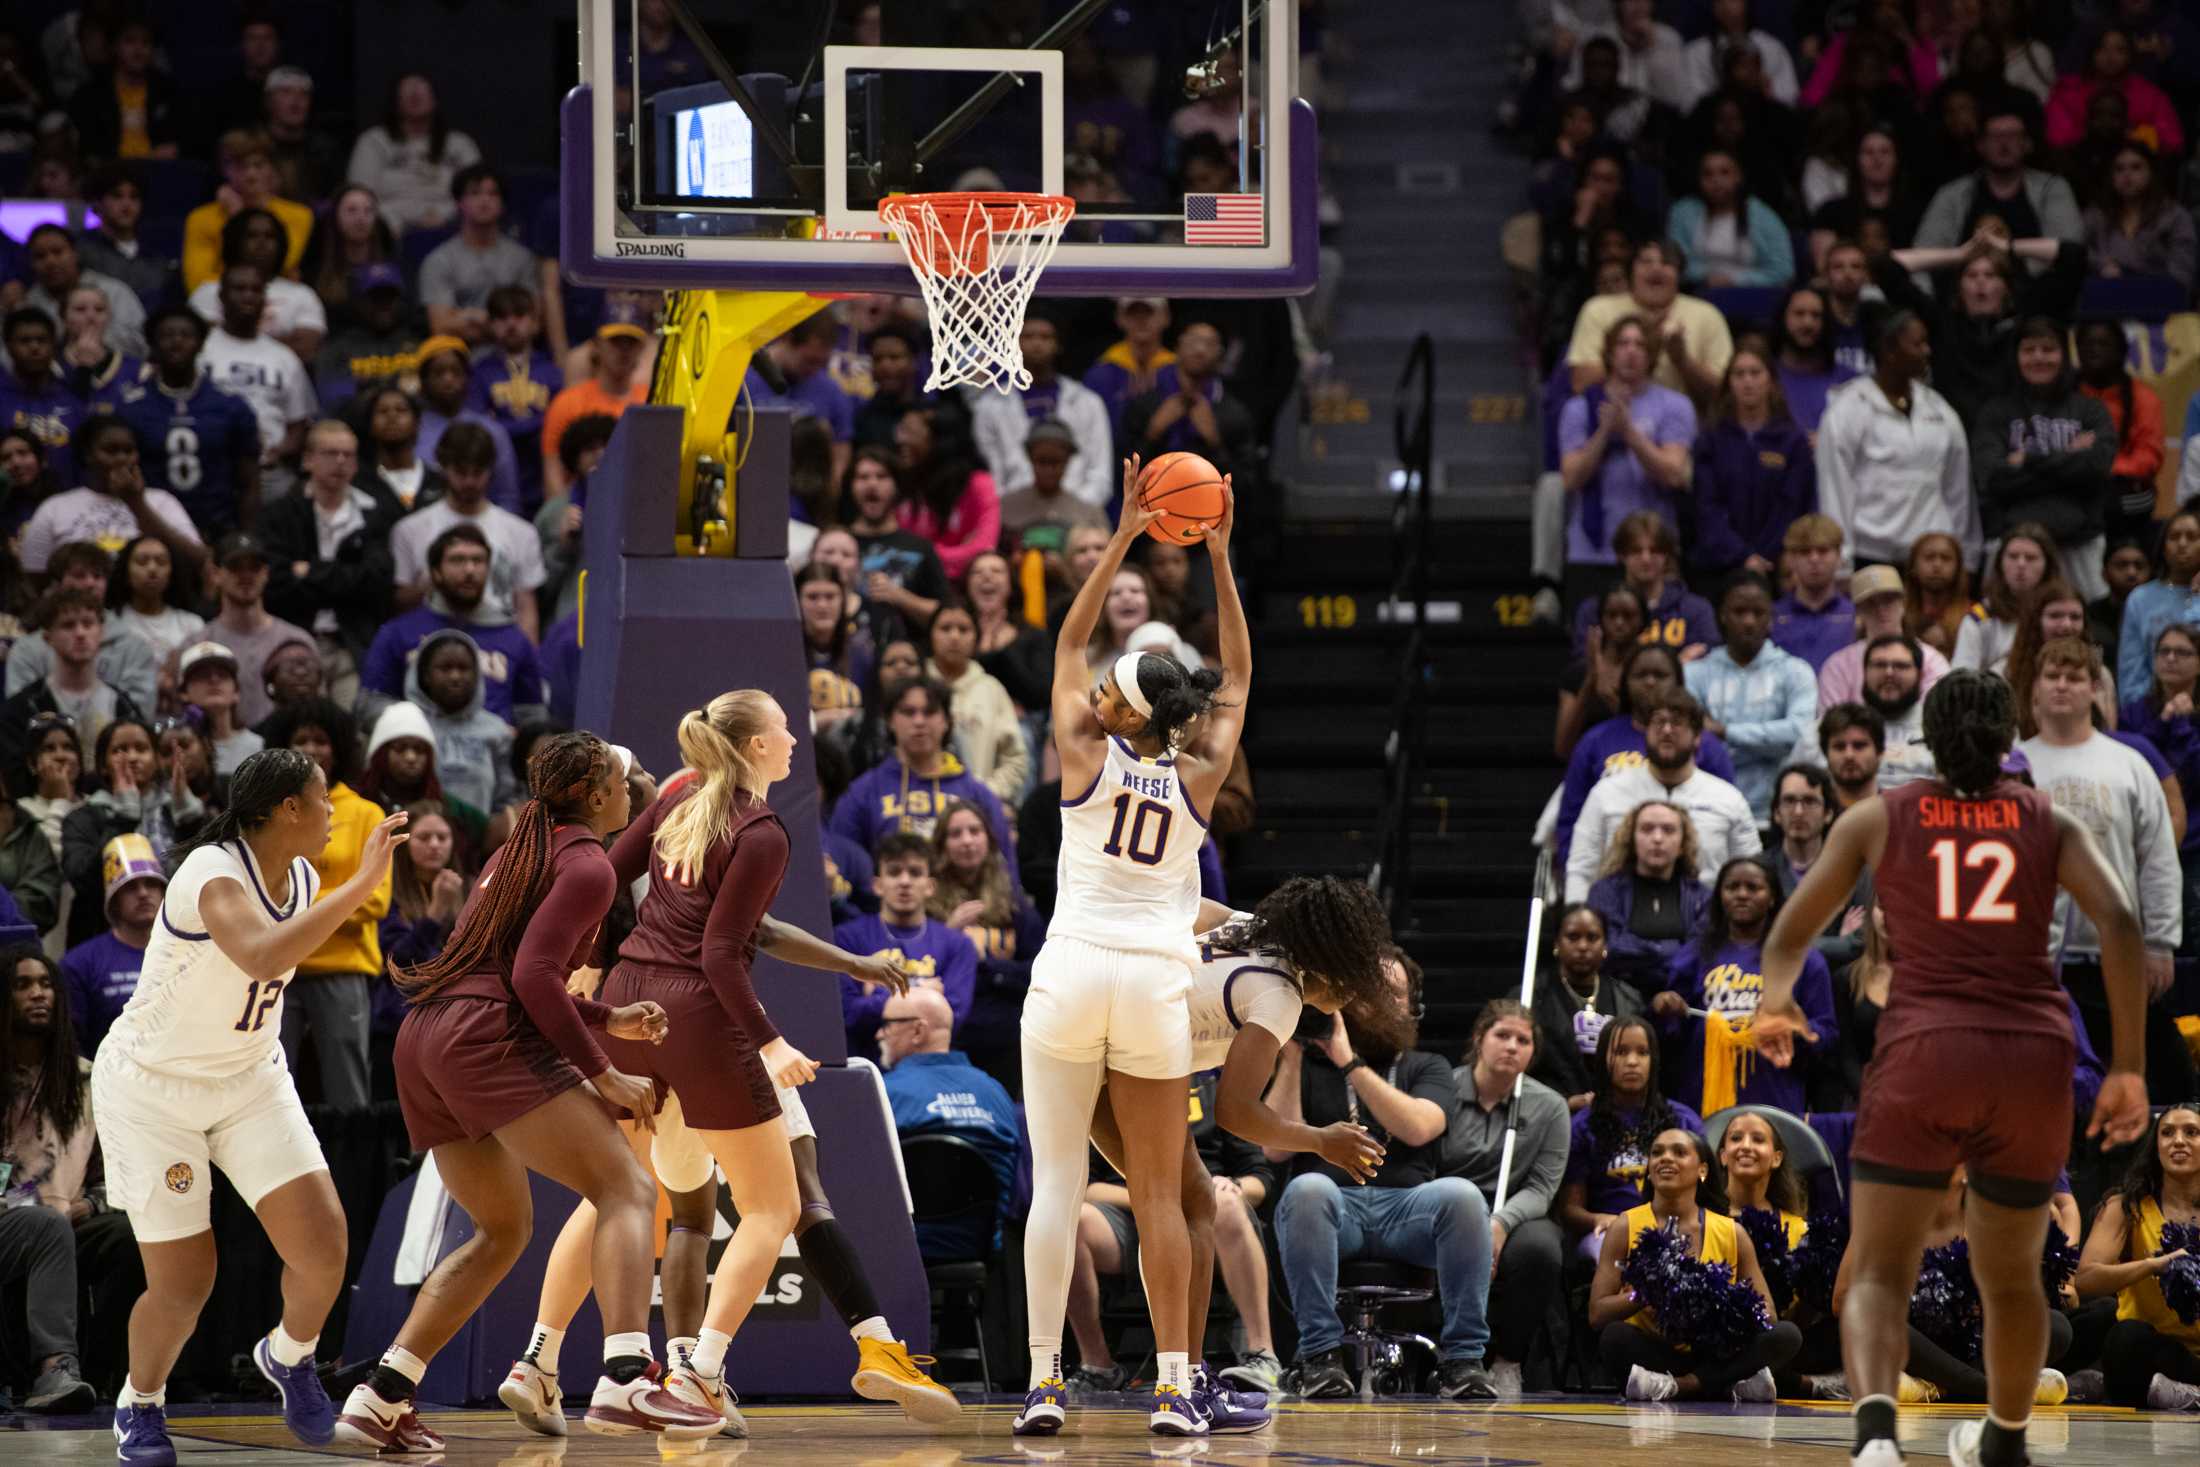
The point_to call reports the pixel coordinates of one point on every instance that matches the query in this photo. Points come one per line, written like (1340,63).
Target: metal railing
(1411,526)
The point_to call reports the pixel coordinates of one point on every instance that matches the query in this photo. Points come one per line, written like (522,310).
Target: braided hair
(1178,695)
(256,791)
(1970,721)
(1608,1130)
(563,770)
(1336,929)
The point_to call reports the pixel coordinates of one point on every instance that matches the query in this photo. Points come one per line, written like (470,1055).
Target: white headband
(1126,683)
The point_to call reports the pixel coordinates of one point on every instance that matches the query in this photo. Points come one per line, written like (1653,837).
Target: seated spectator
(268,375)
(1813,621)
(331,994)
(198,441)
(950,501)
(988,732)
(617,382)
(1647,893)
(1572,1012)
(444,369)
(863,743)
(472,745)
(1002,424)
(293,677)
(458,275)
(2042,457)
(378,340)
(427,890)
(2151,1358)
(838,655)
(908,792)
(1805,365)
(1487,1132)
(58,268)
(1647,672)
(1979,297)
(1685,1196)
(1877,187)
(1589,688)
(1724,825)
(514,380)
(1624,447)
(458,571)
(130,798)
(393,437)
(1804,804)
(467,455)
(1131,368)
(30,867)
(2163,600)
(306,156)
(412,156)
(934,1090)
(1731,30)
(2054,611)
(293,314)
(102,973)
(1756,697)
(1043,510)
(897,356)
(238,576)
(1188,410)
(1730,237)
(1891,716)
(2108,67)
(1408,1213)
(401,773)
(25,481)
(113,506)
(1649,556)
(125,659)
(2029,203)
(1893,462)
(2163,717)
(34,396)
(208,679)
(73,621)
(2135,411)
(902,581)
(129,108)
(248,182)
(115,249)
(1009,646)
(56,761)
(45,1095)
(1607,1158)
(1718,973)
(350,238)
(2137,228)
(328,550)
(2125,568)
(1125,619)
(94,370)
(1692,343)
(975,892)
(1882,608)
(934,955)
(1586,236)
(803,358)
(1936,595)
(2028,557)
(1754,475)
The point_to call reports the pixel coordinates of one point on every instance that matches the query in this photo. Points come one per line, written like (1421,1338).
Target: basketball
(1186,491)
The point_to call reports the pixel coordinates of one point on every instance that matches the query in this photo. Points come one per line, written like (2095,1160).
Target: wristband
(1354,1063)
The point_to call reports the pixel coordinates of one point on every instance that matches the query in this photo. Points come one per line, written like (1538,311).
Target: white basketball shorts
(1127,1009)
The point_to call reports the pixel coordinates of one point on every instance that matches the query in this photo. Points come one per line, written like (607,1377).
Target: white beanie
(400,721)
(1152,636)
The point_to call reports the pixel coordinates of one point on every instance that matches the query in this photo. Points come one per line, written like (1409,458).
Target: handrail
(1411,521)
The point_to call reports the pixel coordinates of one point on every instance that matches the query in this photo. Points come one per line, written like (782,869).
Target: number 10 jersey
(1128,875)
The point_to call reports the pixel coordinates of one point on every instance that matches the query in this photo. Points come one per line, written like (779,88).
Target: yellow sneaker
(886,1371)
(1915,1392)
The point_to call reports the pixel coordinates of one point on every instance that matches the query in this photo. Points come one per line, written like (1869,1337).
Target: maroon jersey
(1968,888)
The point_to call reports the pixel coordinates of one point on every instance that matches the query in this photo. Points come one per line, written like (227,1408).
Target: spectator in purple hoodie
(1651,670)
(933,954)
(1650,563)
(1649,897)
(910,789)
(1754,472)
(1813,620)
(458,573)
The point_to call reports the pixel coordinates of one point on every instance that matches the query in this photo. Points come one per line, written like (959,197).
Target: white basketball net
(977,272)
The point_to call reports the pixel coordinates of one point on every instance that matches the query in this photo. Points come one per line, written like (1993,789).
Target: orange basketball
(1186,491)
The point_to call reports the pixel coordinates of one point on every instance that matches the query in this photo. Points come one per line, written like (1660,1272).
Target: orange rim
(953,212)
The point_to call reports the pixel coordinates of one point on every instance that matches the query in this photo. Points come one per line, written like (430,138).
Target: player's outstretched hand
(1776,1030)
(382,843)
(1135,515)
(638,1098)
(644,1022)
(2120,1112)
(1218,533)
(1351,1148)
(788,1066)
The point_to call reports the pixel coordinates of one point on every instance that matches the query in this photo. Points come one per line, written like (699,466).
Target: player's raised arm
(2121,1109)
(1073,720)
(1215,747)
(1853,844)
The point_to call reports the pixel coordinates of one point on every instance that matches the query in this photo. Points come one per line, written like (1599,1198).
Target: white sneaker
(1878,1452)
(2164,1394)
(709,1392)
(532,1394)
(1963,1443)
(1651,1385)
(1505,1375)
(1757,1389)
(2053,1389)
(642,1405)
(389,1428)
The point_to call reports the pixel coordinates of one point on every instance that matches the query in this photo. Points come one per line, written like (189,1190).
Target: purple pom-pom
(2058,1263)
(1945,1305)
(2181,1280)
(1817,1260)
(1701,1307)
(1768,1236)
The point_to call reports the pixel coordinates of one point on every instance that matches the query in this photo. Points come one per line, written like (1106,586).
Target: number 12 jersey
(1128,875)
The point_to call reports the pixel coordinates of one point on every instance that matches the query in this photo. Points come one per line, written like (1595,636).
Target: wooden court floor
(1532,1433)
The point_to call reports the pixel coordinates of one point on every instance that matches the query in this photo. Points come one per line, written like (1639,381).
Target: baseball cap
(125,859)
(622,318)
(289,76)
(204,654)
(239,545)
(380,275)
(1874,580)
(1135,302)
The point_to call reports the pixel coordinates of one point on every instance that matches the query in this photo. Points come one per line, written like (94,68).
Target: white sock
(130,1395)
(678,1348)
(405,1363)
(288,1351)
(1175,1368)
(1046,1362)
(626,1346)
(873,1328)
(542,1348)
(1058,1100)
(709,1357)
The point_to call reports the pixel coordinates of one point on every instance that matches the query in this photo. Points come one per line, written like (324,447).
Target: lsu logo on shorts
(179,1178)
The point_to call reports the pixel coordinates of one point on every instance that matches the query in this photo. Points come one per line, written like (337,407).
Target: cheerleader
(2152,1358)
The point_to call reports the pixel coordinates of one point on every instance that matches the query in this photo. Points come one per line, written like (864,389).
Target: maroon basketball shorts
(705,1059)
(468,1067)
(1999,1104)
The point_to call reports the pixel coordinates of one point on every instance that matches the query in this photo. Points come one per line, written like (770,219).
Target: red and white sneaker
(391,1428)
(711,1393)
(642,1405)
(532,1394)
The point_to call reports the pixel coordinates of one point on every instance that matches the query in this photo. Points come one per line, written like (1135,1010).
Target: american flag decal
(1222,219)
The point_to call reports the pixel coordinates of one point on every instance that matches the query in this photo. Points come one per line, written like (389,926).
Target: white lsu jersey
(1128,875)
(1233,987)
(195,1013)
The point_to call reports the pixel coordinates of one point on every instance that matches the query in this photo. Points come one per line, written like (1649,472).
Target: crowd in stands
(1843,316)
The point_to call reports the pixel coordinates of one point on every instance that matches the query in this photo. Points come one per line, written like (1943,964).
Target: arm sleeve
(579,896)
(759,857)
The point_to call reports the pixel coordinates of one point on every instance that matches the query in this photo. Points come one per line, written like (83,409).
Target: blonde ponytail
(711,740)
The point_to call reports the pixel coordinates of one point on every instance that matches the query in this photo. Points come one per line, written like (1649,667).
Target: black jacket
(355,584)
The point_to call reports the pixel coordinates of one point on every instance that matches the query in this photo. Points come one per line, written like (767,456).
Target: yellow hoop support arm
(709,336)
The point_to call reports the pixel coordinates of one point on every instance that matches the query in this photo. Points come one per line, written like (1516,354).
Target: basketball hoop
(977,257)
